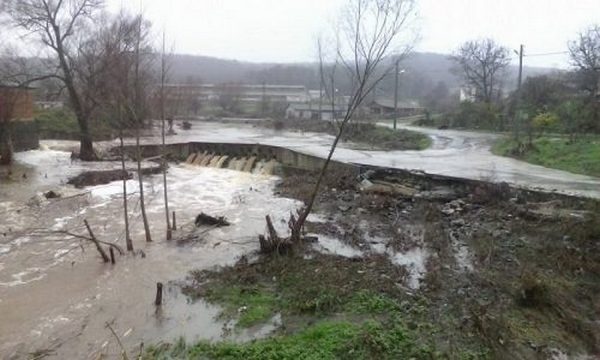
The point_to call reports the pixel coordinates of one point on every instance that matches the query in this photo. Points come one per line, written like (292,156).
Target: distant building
(16,102)
(244,93)
(385,108)
(17,117)
(468,94)
(311,112)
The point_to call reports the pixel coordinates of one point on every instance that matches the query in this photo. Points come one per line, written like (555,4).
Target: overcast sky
(284,30)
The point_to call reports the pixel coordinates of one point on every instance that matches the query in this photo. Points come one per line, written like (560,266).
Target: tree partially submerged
(65,29)
(482,63)
(369,32)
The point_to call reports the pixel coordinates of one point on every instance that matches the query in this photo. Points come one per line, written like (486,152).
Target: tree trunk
(128,240)
(298,225)
(163,75)
(6,147)
(86,149)
(141,183)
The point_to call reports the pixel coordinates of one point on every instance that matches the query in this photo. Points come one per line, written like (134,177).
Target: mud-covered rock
(92,178)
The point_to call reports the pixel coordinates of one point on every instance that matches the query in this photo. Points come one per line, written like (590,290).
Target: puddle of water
(328,245)
(68,310)
(414,260)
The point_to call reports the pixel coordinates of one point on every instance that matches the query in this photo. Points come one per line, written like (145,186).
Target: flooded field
(56,296)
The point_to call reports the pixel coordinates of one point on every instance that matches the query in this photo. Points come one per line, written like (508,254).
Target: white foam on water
(4,249)
(317,218)
(61,222)
(25,277)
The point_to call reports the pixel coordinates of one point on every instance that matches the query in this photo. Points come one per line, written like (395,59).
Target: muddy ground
(401,272)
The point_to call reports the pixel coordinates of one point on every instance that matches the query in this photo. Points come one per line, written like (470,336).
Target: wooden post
(159,291)
(112,255)
(174,221)
(105,257)
(169,234)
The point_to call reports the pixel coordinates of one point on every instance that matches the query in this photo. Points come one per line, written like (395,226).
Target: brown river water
(57,296)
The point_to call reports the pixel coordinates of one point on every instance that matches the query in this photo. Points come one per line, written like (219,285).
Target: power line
(547,54)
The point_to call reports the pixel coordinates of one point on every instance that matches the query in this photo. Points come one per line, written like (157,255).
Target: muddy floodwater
(56,297)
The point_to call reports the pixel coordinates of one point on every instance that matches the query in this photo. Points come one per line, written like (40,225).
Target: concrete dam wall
(277,160)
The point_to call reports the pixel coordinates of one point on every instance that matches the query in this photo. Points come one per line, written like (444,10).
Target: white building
(311,112)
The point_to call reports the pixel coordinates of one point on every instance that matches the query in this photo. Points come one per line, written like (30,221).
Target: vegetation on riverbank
(61,124)
(367,135)
(500,299)
(333,308)
(581,156)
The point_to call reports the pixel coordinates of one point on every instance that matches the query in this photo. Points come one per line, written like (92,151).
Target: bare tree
(129,55)
(229,96)
(327,77)
(163,78)
(370,31)
(585,57)
(119,40)
(136,111)
(61,27)
(482,63)
(321,56)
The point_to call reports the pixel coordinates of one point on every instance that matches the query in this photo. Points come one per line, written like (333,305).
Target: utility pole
(320,98)
(397,71)
(264,99)
(518,117)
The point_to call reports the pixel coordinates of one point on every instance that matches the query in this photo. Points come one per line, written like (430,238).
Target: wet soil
(492,276)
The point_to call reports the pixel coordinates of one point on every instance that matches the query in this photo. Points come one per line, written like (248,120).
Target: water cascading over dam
(249,164)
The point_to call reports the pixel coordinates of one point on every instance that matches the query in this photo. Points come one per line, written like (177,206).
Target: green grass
(325,340)
(391,139)
(331,308)
(361,133)
(250,304)
(581,156)
(57,121)
(62,124)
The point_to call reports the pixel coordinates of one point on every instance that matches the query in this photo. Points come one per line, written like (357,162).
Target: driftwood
(207,220)
(273,243)
(64,232)
(105,257)
(119,342)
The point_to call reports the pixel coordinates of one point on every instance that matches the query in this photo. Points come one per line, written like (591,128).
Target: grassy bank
(581,156)
(365,135)
(333,308)
(61,124)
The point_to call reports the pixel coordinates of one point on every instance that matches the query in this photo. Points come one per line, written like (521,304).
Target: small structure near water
(249,164)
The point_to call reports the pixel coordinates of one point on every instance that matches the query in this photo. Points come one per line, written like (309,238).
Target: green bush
(545,121)
(473,115)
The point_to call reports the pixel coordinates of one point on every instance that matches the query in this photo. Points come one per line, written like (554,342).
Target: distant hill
(423,72)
